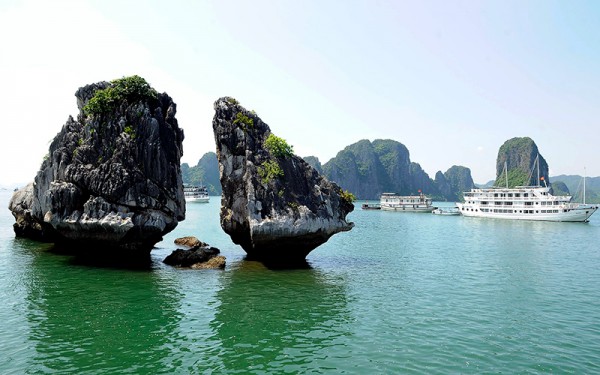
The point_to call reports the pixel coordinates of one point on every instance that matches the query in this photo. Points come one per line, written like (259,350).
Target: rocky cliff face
(111,179)
(275,205)
(519,155)
(314,162)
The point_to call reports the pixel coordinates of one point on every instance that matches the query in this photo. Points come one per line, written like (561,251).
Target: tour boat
(410,203)
(197,194)
(524,203)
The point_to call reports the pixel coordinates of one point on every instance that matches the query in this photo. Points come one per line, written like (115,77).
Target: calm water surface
(400,293)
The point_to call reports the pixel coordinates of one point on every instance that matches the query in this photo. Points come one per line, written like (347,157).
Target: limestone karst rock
(111,179)
(197,255)
(274,204)
(520,155)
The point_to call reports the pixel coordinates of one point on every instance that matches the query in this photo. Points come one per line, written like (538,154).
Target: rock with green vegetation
(520,154)
(368,169)
(112,180)
(274,204)
(456,180)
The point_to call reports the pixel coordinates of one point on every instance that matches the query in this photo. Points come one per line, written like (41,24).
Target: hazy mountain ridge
(364,168)
(574,183)
(368,169)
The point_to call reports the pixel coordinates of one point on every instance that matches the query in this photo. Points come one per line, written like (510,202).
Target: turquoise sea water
(400,293)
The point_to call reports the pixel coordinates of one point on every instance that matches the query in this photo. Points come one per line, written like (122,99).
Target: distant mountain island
(574,187)
(369,168)
(206,173)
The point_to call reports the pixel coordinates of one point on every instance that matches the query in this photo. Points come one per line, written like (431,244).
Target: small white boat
(197,194)
(446,211)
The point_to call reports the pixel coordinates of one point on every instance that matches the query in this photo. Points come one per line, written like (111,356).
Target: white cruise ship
(523,203)
(410,203)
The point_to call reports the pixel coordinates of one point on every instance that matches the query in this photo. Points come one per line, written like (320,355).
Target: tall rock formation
(275,205)
(111,179)
(520,154)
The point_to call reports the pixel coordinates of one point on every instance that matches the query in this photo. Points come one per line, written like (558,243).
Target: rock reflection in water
(279,320)
(87,318)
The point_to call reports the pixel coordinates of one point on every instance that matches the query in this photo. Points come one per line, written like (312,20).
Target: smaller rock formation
(25,225)
(454,182)
(111,180)
(275,205)
(190,242)
(199,255)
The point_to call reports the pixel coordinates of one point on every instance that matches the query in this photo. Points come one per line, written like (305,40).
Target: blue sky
(450,80)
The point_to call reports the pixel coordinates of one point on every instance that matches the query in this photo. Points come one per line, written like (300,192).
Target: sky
(451,80)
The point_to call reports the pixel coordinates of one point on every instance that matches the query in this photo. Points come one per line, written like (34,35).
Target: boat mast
(537,162)
(584,172)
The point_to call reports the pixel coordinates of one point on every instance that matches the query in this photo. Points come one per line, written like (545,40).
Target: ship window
(508,203)
(517,195)
(525,195)
(510,195)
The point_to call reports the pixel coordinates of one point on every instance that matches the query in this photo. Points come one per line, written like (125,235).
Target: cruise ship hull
(577,214)
(407,208)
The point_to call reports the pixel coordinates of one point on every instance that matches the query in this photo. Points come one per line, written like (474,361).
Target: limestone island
(274,204)
(112,178)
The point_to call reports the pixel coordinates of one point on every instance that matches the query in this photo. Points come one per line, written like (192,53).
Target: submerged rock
(274,204)
(112,177)
(199,257)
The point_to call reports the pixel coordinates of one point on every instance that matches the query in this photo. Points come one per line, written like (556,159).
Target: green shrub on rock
(244,121)
(278,147)
(269,170)
(130,89)
(347,196)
